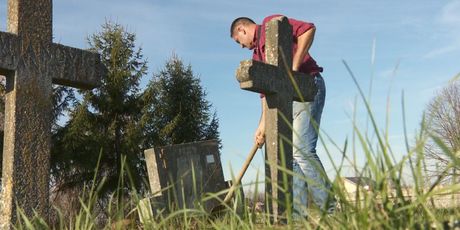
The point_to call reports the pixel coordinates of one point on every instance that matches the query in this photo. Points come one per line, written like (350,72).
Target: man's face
(243,37)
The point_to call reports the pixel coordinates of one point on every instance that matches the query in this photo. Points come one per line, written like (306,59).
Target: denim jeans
(309,175)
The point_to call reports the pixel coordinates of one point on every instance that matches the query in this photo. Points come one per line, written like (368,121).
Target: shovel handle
(237,180)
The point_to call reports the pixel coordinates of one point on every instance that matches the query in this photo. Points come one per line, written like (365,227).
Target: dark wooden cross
(276,80)
(31,62)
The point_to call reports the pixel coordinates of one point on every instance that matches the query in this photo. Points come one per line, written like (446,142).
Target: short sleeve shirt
(308,65)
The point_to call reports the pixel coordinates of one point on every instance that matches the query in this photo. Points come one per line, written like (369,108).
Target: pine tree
(106,121)
(117,121)
(176,110)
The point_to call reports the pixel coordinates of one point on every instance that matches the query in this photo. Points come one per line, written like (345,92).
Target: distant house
(352,184)
(441,196)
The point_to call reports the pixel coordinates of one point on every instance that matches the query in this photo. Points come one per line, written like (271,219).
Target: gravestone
(180,175)
(276,80)
(31,62)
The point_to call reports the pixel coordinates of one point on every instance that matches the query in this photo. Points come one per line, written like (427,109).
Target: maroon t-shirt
(308,65)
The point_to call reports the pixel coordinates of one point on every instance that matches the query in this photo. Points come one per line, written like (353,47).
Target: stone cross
(275,79)
(31,62)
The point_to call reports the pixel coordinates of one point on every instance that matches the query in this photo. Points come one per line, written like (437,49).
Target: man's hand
(259,136)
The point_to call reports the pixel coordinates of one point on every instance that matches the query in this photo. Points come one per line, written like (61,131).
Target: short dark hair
(239,21)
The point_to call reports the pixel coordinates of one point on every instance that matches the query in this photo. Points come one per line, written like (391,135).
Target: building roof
(362,181)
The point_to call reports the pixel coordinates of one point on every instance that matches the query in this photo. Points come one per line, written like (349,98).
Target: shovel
(237,180)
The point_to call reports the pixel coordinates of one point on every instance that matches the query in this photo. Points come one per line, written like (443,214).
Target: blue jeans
(309,173)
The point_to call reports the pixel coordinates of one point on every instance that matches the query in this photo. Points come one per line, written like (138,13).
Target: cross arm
(258,77)
(75,67)
(9,47)
(269,79)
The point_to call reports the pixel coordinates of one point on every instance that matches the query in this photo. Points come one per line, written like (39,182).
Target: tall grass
(391,203)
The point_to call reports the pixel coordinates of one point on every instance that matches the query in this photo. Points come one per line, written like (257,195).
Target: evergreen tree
(117,121)
(106,121)
(176,110)
(63,100)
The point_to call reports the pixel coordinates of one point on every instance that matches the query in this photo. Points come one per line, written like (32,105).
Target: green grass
(384,207)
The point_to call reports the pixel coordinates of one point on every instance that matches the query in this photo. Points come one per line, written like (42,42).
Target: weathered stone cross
(274,80)
(31,62)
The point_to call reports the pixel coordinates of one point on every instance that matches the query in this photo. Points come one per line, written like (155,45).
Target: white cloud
(443,50)
(448,21)
(430,91)
(389,73)
(451,13)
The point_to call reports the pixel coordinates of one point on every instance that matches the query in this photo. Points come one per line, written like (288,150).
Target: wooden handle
(237,180)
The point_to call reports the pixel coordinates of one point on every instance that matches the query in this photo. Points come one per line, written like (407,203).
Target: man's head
(242,31)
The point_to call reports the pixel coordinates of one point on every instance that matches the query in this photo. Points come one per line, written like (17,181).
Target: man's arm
(259,136)
(304,42)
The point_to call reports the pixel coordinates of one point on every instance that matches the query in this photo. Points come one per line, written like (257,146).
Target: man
(306,116)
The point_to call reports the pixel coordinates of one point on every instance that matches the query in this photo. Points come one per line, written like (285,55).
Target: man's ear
(241,28)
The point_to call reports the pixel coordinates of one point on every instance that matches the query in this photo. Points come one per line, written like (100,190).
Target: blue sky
(422,36)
